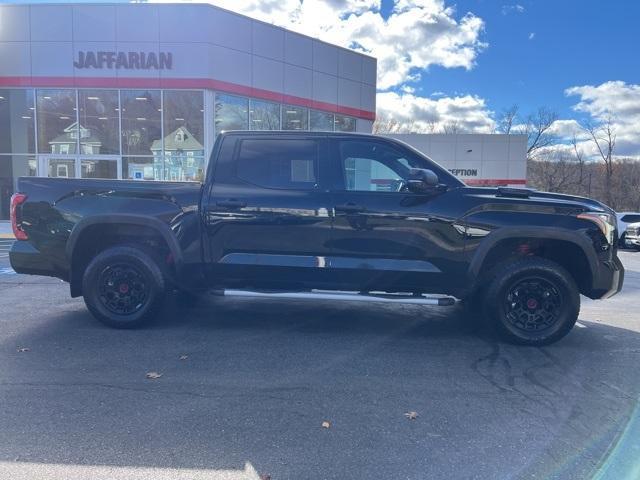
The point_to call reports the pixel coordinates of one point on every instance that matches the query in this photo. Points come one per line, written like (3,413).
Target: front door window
(373,167)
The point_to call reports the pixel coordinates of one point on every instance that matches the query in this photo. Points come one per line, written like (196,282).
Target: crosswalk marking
(5,246)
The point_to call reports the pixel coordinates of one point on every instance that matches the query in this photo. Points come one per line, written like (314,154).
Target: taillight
(17,199)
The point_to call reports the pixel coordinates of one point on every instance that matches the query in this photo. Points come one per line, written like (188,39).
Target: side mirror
(422,180)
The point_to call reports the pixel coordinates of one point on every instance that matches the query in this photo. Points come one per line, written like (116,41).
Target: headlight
(605,221)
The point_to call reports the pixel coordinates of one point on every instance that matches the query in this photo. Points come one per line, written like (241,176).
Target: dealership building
(117,91)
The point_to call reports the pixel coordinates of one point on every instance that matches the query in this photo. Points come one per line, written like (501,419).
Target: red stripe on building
(480,182)
(183,83)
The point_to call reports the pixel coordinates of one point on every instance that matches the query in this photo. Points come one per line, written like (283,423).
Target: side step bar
(346,296)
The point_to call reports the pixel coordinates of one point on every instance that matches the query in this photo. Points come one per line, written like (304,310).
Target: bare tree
(537,128)
(554,172)
(451,128)
(603,137)
(384,125)
(507,120)
(579,160)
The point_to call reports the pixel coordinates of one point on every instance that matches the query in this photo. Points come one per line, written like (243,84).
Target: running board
(346,296)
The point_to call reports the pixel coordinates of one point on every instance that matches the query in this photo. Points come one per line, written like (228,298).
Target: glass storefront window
(183,168)
(141,117)
(61,167)
(231,113)
(294,118)
(96,168)
(157,134)
(57,122)
(99,125)
(183,114)
(345,124)
(17,119)
(320,121)
(190,168)
(264,115)
(139,168)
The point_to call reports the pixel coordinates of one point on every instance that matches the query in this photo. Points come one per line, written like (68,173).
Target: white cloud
(567,129)
(617,100)
(469,112)
(417,34)
(516,8)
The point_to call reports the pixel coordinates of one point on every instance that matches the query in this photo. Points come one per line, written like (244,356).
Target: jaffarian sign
(124,60)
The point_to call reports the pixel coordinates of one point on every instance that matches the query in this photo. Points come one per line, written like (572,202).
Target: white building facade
(141,91)
(477,159)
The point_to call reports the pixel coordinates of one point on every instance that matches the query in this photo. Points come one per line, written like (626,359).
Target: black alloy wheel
(532,301)
(124,286)
(533,304)
(122,289)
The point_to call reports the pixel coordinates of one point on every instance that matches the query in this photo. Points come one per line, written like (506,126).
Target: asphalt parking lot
(245,386)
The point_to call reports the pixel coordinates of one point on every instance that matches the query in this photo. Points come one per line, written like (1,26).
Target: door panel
(385,237)
(267,217)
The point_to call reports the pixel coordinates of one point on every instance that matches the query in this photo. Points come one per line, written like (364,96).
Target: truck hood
(526,194)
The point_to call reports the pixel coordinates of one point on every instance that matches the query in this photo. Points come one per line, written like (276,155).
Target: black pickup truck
(321,215)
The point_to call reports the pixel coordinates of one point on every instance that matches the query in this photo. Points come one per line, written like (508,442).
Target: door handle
(231,203)
(349,208)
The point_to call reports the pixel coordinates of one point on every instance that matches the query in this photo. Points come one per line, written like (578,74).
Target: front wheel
(123,287)
(533,301)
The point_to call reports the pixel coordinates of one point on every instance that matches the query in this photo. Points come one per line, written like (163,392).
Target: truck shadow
(252,381)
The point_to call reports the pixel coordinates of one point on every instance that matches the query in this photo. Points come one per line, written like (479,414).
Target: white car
(625,219)
(632,236)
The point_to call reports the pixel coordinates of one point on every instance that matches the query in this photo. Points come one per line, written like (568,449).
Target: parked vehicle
(624,219)
(317,214)
(632,236)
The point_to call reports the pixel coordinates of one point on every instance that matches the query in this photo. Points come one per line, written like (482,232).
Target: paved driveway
(260,377)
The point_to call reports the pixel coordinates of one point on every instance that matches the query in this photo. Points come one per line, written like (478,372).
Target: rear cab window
(291,164)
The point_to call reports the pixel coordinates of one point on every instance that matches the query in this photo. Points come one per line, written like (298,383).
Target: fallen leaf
(326,424)
(23,350)
(184,357)
(411,415)
(153,375)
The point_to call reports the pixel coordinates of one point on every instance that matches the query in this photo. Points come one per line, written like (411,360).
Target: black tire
(533,301)
(622,243)
(123,287)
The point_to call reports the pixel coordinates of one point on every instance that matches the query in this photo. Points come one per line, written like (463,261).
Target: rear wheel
(533,302)
(123,287)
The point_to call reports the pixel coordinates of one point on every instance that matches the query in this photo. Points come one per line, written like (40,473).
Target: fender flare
(544,233)
(122,219)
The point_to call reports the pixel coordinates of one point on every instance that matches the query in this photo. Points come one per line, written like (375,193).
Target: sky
(442,62)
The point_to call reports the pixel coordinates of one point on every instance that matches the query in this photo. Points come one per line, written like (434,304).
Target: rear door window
(279,163)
